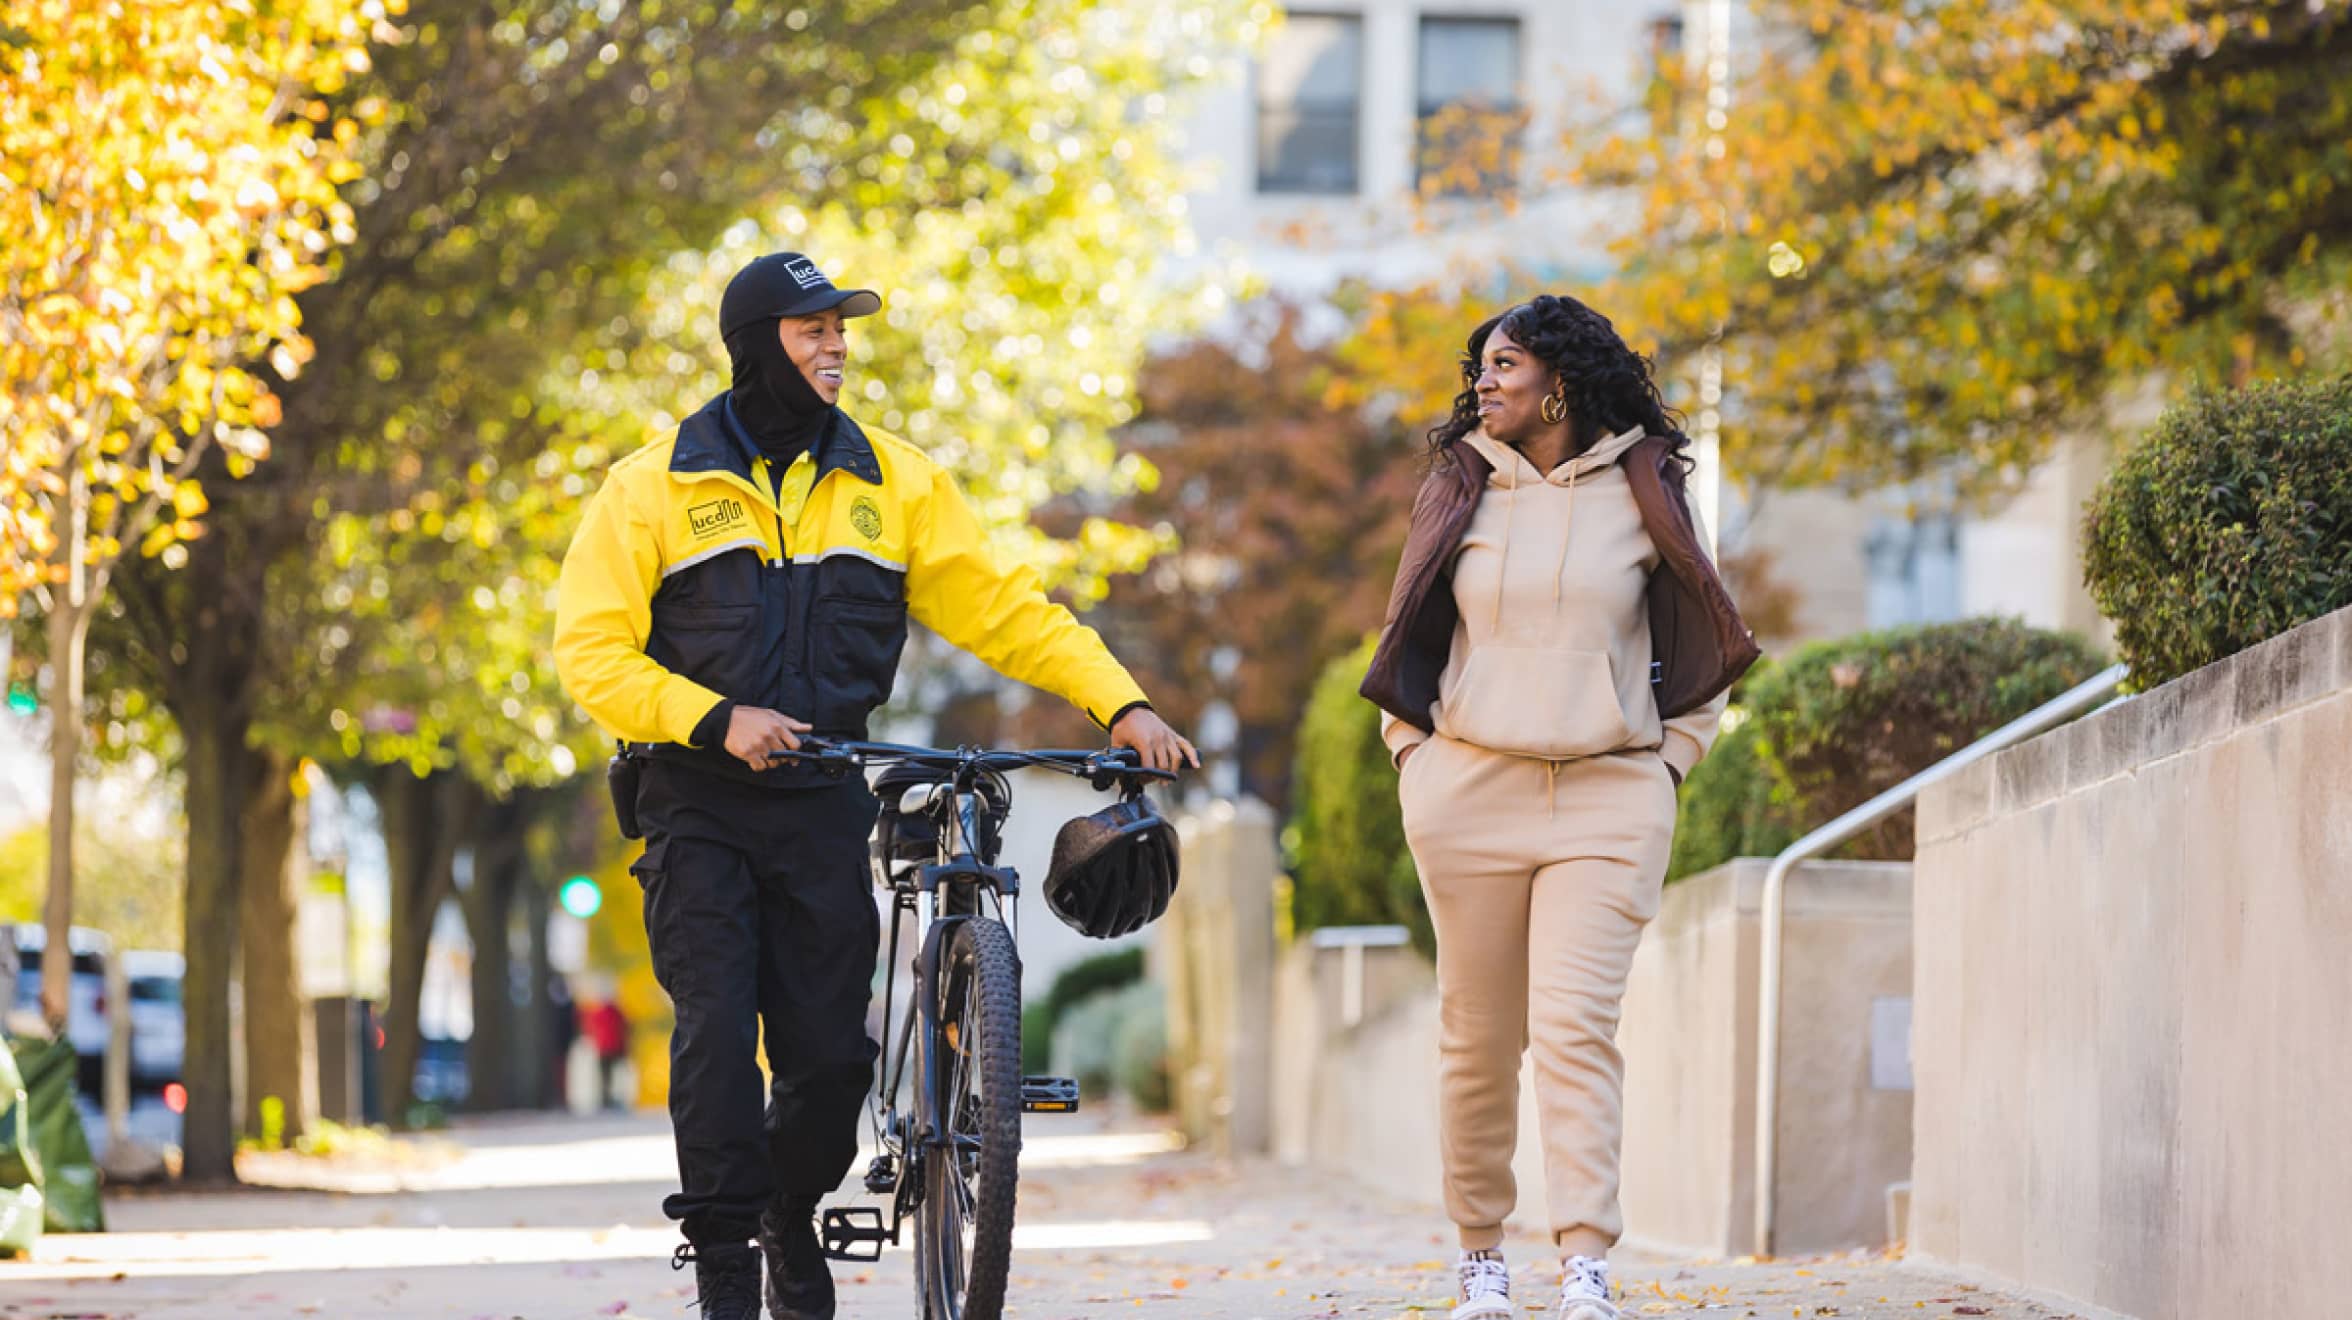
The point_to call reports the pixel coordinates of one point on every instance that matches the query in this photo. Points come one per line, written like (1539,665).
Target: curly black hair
(1610,387)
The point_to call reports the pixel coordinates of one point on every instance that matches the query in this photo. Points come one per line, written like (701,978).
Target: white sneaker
(1485,1286)
(1584,1290)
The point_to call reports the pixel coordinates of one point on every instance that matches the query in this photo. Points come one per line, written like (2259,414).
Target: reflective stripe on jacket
(691,580)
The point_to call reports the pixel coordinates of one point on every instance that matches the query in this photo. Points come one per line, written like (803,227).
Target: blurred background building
(1318,168)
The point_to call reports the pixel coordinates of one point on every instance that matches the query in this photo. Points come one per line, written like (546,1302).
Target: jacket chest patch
(866,518)
(717,517)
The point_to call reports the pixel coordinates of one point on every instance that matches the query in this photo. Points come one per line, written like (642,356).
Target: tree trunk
(207,659)
(488,902)
(424,819)
(535,1067)
(69,628)
(215,740)
(280,1052)
(490,1051)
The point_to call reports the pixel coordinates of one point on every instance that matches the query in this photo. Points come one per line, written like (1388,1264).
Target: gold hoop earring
(1555,409)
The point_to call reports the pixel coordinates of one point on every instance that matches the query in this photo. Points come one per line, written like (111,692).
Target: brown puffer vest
(1698,643)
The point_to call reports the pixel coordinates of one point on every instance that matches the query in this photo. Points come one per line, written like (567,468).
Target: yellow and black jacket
(692,581)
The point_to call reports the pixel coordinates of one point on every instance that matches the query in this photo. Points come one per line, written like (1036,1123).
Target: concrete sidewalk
(559,1218)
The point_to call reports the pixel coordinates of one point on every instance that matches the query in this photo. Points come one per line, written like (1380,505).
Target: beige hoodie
(1551,656)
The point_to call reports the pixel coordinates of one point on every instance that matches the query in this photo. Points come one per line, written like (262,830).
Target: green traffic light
(580,897)
(21,698)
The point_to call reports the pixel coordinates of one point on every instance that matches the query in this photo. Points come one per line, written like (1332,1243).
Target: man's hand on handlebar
(754,734)
(1158,746)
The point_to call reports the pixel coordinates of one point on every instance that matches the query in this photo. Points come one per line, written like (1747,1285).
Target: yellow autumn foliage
(165,191)
(1928,239)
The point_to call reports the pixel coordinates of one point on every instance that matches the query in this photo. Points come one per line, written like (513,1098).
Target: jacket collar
(711,441)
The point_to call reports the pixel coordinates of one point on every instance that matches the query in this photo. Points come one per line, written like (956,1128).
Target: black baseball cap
(783,284)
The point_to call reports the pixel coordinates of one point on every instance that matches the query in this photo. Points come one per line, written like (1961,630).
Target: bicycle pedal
(882,1176)
(1049,1095)
(853,1232)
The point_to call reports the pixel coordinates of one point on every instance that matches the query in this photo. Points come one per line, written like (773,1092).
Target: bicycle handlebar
(1102,767)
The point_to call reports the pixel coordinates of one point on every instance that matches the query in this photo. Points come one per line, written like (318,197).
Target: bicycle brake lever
(1119,768)
(830,761)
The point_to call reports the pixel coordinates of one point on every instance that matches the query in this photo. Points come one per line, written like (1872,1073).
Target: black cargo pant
(759,910)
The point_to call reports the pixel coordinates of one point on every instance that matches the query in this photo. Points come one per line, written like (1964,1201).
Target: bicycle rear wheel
(964,1226)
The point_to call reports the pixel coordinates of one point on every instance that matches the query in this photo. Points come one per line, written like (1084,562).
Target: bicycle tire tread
(996,1000)
(999,1000)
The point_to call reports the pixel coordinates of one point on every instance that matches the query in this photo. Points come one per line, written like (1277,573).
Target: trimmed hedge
(1823,731)
(1080,980)
(1729,805)
(1348,862)
(1840,722)
(2228,524)
(1139,1049)
(1117,1041)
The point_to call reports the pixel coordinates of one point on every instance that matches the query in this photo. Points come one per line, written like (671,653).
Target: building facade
(1322,163)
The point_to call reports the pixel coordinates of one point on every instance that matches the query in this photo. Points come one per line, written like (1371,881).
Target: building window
(1666,37)
(1666,73)
(1310,92)
(1912,570)
(1471,120)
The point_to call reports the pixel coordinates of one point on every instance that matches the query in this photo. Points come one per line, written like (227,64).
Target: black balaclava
(781,412)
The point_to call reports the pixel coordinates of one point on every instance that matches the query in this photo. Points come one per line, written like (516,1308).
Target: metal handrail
(2062,707)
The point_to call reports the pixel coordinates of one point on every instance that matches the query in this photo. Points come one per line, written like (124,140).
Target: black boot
(800,1283)
(726,1278)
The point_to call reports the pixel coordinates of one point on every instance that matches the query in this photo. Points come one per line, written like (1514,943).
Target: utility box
(346,1059)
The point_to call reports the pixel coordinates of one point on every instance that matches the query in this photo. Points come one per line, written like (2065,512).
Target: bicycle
(949,1155)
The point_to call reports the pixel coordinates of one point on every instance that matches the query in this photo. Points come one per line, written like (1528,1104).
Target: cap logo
(805,273)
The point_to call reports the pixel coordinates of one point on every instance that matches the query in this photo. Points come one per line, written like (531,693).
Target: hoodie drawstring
(1559,576)
(1567,525)
(1559,570)
(1510,504)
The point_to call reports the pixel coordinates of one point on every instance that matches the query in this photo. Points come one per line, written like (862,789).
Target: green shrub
(1085,1039)
(1840,722)
(1139,1049)
(1348,861)
(1728,807)
(1080,980)
(1037,1029)
(1113,1040)
(2229,523)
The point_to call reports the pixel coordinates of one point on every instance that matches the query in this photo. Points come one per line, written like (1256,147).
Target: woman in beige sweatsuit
(1541,810)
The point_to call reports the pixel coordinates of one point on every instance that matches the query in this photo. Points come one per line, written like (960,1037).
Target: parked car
(85,1019)
(159,1026)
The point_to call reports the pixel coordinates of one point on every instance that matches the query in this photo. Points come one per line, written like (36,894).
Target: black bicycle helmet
(1113,872)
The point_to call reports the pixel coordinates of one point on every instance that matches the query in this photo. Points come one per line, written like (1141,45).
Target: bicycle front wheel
(964,1227)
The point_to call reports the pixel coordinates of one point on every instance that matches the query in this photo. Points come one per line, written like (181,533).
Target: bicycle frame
(963,872)
(960,863)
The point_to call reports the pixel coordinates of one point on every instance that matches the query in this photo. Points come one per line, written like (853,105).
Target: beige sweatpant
(1539,878)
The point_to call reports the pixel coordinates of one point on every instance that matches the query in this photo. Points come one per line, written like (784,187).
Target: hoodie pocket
(1531,701)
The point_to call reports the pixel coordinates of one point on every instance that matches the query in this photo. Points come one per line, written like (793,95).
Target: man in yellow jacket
(731,588)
